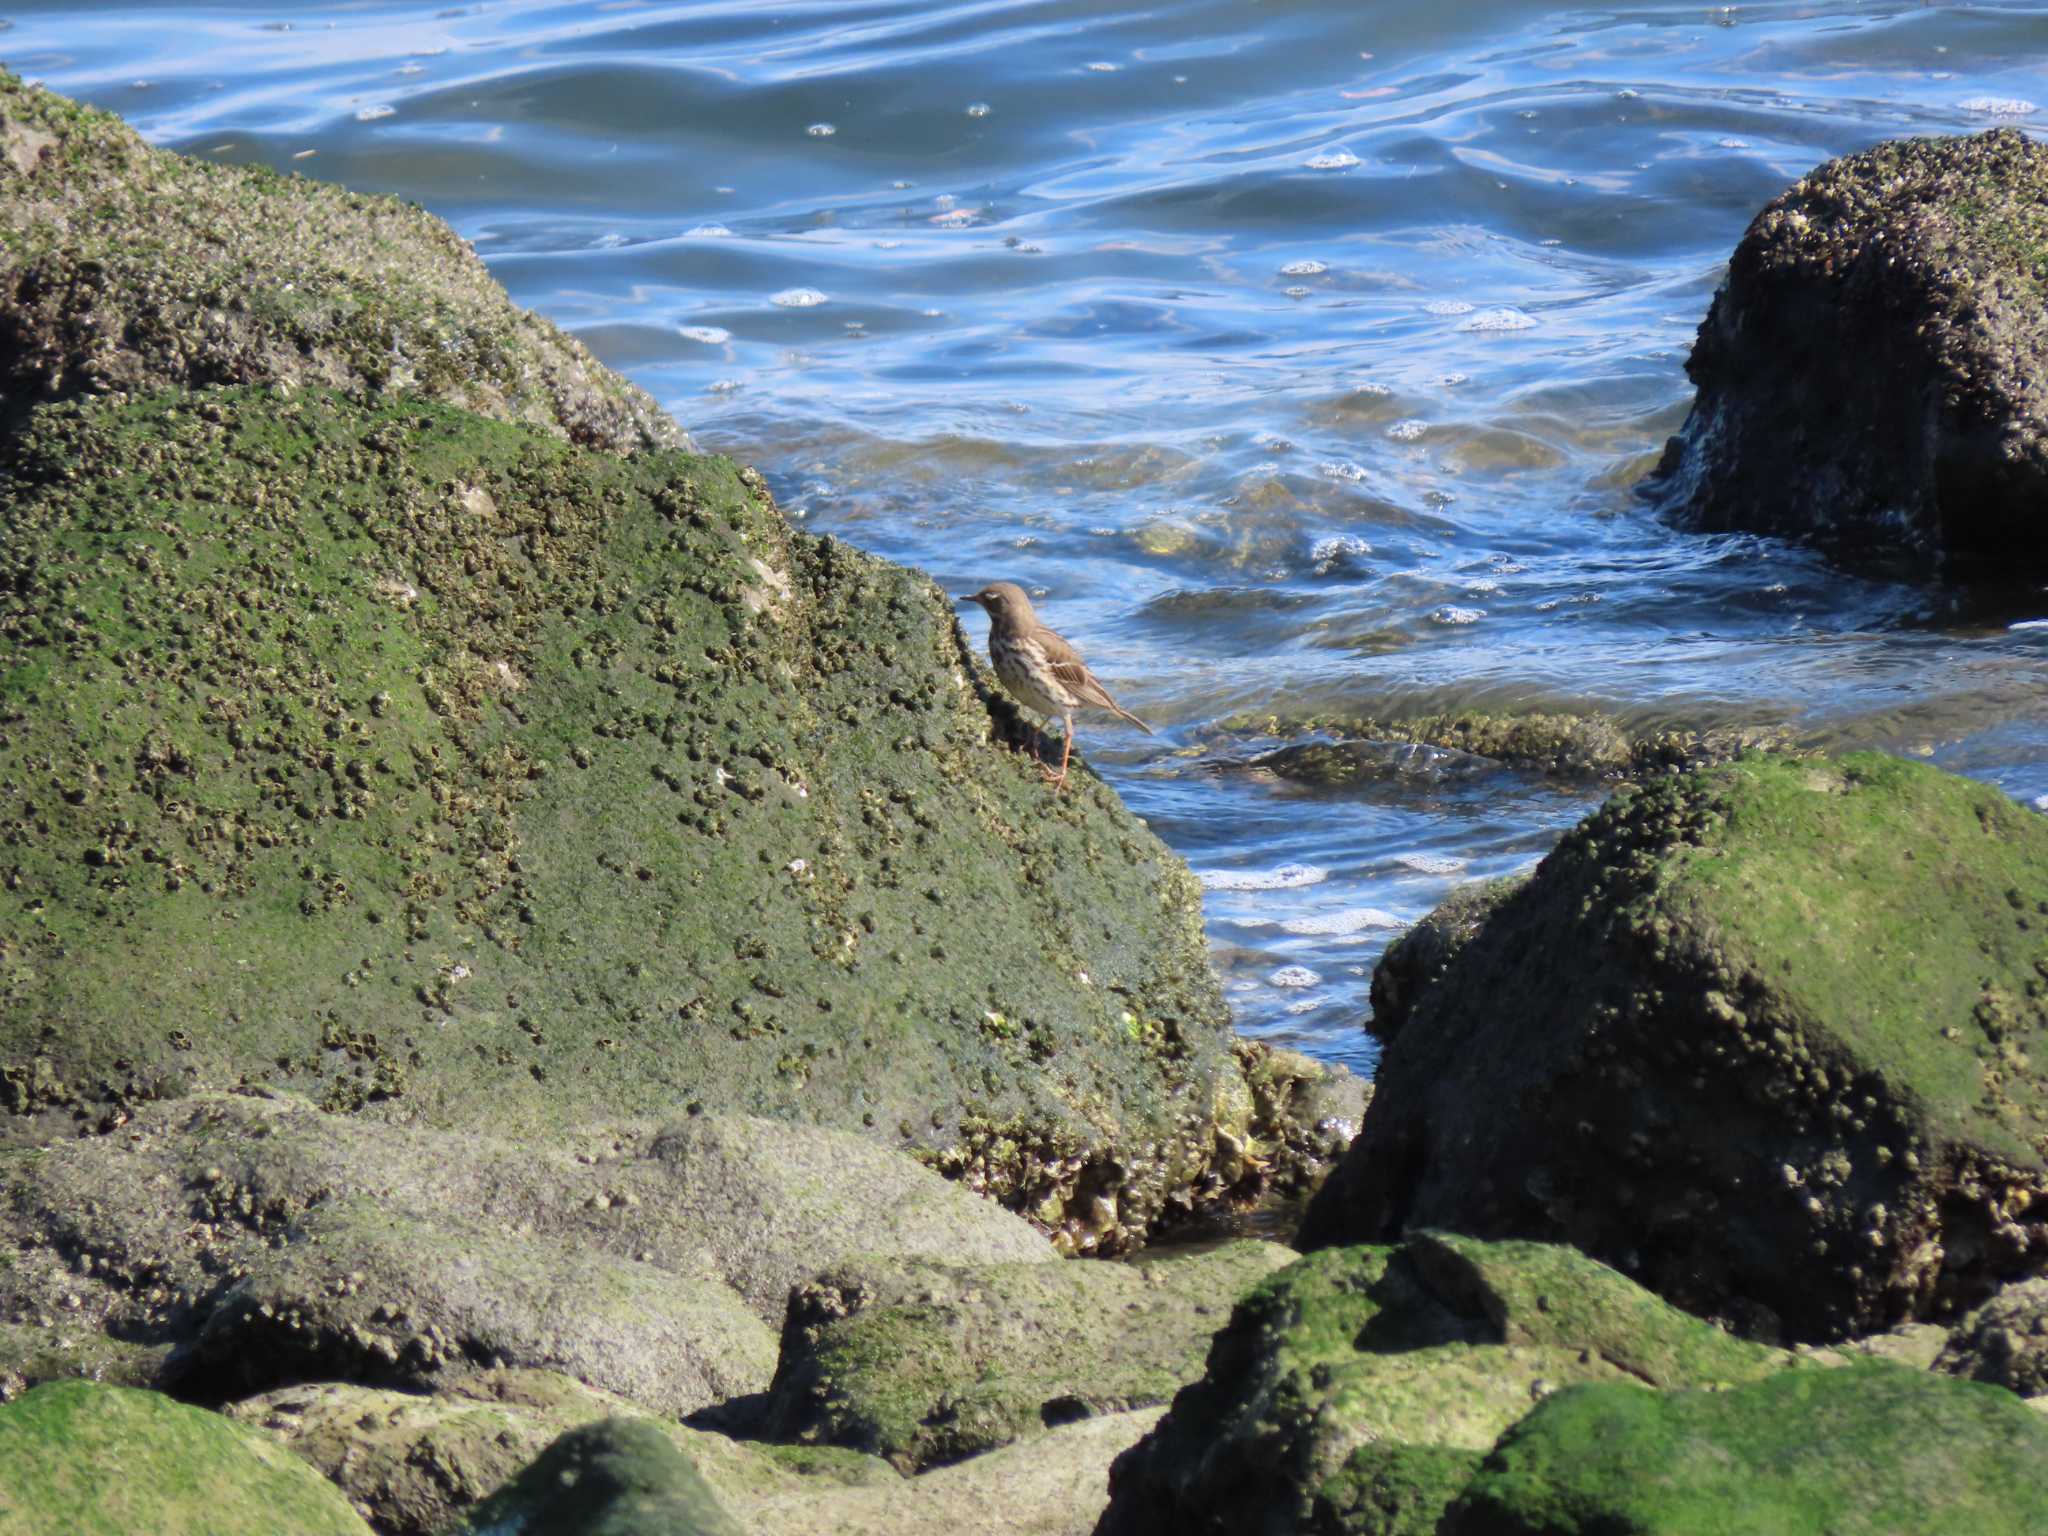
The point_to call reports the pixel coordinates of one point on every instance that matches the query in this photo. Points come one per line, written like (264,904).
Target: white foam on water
(821,130)
(1407,431)
(2029,624)
(1429,863)
(1484,587)
(1447,307)
(1999,106)
(797,298)
(410,69)
(1351,920)
(1307,268)
(1451,615)
(1288,877)
(710,335)
(723,387)
(1345,470)
(372,114)
(2040,803)
(1733,144)
(953,218)
(1294,976)
(1104,67)
(1299,293)
(707,232)
(1305,1005)
(1339,546)
(1503,319)
(977,109)
(1332,160)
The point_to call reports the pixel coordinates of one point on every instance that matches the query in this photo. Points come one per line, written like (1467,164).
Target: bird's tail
(1125,714)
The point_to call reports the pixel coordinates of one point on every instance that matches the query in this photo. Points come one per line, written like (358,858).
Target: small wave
(1449,614)
(1337,924)
(1503,319)
(1447,307)
(382,109)
(707,232)
(710,335)
(1429,863)
(797,298)
(1350,473)
(1288,877)
(1308,268)
(1332,160)
(1999,106)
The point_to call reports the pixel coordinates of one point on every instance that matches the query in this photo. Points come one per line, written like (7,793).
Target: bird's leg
(1066,751)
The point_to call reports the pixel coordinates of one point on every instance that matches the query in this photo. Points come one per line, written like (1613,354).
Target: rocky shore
(534,996)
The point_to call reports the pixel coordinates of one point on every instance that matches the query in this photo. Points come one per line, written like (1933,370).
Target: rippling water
(1302,353)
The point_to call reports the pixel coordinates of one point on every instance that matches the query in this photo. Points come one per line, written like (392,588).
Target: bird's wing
(1073,673)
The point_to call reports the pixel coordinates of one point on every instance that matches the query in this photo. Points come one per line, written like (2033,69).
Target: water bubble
(1503,319)
(1294,976)
(1308,268)
(1429,863)
(1337,924)
(1298,292)
(1305,1005)
(977,109)
(1455,616)
(1288,877)
(1332,160)
(372,114)
(1337,547)
(710,335)
(821,130)
(1407,431)
(707,232)
(1486,586)
(1272,442)
(1447,307)
(1343,470)
(1627,93)
(1999,106)
(797,298)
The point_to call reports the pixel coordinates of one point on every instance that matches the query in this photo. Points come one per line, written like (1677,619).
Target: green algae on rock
(93,1460)
(1865,1450)
(1871,373)
(1353,1392)
(925,1363)
(438,768)
(617,1477)
(133,269)
(225,1244)
(1764,1036)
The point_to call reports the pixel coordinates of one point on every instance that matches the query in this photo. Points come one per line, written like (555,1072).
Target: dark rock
(1418,959)
(1763,1037)
(1353,1393)
(924,1363)
(131,269)
(2004,1341)
(1874,373)
(93,1460)
(618,1477)
(1865,1450)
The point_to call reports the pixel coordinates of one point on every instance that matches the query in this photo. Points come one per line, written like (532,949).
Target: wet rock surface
(1871,374)
(95,1460)
(1764,1037)
(232,1244)
(925,1363)
(130,269)
(1357,1390)
(1866,1450)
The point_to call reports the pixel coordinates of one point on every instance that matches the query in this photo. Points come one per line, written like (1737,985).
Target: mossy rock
(441,770)
(925,1363)
(92,1460)
(617,1477)
(1352,1392)
(227,1244)
(1866,1450)
(1766,1037)
(1871,373)
(133,269)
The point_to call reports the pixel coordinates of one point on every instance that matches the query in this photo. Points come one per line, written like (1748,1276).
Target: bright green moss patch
(1866,1450)
(110,1461)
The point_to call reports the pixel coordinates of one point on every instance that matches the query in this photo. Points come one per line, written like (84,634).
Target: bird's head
(1005,602)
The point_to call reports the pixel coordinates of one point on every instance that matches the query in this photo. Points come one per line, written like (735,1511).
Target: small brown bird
(1040,670)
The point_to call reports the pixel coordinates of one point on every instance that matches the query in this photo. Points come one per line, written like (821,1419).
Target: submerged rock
(131,269)
(1866,1450)
(925,1362)
(1873,375)
(258,1242)
(446,772)
(1354,1393)
(93,1460)
(1765,1037)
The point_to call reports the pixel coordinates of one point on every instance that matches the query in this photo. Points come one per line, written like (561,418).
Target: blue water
(1300,354)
